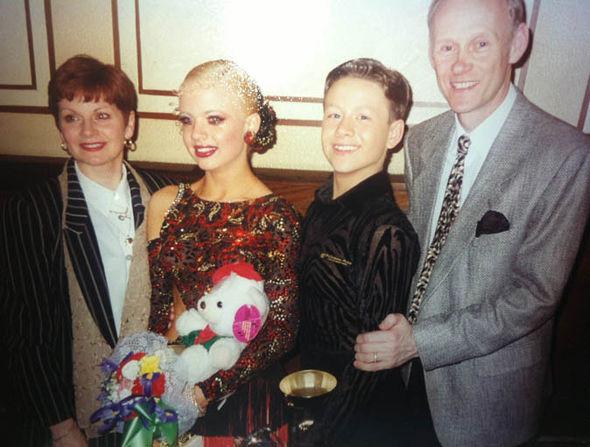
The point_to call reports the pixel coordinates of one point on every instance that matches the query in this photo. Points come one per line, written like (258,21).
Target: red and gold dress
(199,236)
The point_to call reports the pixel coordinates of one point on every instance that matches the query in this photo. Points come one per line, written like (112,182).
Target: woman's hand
(200,400)
(67,434)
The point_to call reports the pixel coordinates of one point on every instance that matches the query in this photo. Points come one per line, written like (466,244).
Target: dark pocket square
(492,222)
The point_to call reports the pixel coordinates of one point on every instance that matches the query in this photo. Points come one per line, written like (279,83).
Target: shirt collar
(100,197)
(489,129)
(358,196)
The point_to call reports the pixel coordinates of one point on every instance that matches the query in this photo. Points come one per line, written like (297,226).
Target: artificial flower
(132,356)
(130,370)
(137,389)
(158,385)
(150,364)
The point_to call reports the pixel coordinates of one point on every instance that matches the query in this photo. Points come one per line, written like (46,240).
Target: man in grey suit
(499,193)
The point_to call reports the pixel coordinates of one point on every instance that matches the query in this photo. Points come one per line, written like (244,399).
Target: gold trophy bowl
(307,383)
(305,392)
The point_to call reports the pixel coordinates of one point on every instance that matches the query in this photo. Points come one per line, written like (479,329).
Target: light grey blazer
(483,333)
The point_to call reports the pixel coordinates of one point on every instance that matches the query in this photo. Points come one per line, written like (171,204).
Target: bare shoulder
(159,204)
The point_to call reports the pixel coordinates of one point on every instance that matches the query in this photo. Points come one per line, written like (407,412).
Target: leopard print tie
(448,214)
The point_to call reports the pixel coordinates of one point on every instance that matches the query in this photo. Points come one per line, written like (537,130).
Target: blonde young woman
(226,216)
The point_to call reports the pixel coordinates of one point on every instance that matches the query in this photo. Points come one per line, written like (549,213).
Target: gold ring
(375,359)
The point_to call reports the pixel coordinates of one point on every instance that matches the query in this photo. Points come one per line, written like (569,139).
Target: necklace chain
(121,215)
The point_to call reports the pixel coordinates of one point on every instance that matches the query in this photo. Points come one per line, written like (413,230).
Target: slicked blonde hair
(232,77)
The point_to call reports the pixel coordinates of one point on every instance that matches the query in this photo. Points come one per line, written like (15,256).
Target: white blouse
(111,213)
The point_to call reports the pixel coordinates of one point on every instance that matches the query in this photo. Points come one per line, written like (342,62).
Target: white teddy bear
(225,320)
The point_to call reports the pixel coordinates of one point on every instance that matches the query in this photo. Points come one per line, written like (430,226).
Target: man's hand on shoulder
(389,347)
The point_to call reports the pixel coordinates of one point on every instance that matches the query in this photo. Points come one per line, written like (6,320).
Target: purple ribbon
(147,383)
(119,412)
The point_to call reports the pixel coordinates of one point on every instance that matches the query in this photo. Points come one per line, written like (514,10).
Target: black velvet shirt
(358,257)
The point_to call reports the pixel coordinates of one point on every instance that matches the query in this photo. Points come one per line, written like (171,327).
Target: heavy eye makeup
(184,119)
(215,119)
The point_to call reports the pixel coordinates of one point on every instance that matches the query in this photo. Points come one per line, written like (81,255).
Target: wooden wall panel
(16,46)
(287,46)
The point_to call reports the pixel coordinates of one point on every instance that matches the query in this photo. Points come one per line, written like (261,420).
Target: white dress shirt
(482,138)
(111,213)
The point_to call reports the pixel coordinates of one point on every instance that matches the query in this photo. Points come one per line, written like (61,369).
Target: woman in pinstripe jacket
(73,258)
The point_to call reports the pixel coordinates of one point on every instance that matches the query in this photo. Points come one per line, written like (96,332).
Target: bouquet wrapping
(146,392)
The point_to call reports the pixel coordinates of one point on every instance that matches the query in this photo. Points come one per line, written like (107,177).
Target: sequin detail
(197,237)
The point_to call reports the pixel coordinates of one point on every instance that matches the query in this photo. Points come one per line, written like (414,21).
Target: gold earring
(64,147)
(130,145)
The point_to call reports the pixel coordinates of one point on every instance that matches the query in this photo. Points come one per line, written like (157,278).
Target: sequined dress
(199,236)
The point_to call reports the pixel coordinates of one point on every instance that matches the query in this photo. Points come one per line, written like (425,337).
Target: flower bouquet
(144,393)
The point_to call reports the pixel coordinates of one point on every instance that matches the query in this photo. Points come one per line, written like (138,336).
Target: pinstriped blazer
(34,289)
(484,329)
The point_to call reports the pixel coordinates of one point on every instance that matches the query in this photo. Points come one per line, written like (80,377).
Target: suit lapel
(137,297)
(136,197)
(85,256)
(427,179)
(503,161)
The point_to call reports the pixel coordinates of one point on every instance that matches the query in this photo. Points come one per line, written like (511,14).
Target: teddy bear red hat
(240,268)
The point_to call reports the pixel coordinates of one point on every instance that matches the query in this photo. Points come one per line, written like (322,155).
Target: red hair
(86,77)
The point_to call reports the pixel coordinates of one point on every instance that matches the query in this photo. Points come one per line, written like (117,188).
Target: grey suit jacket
(483,333)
